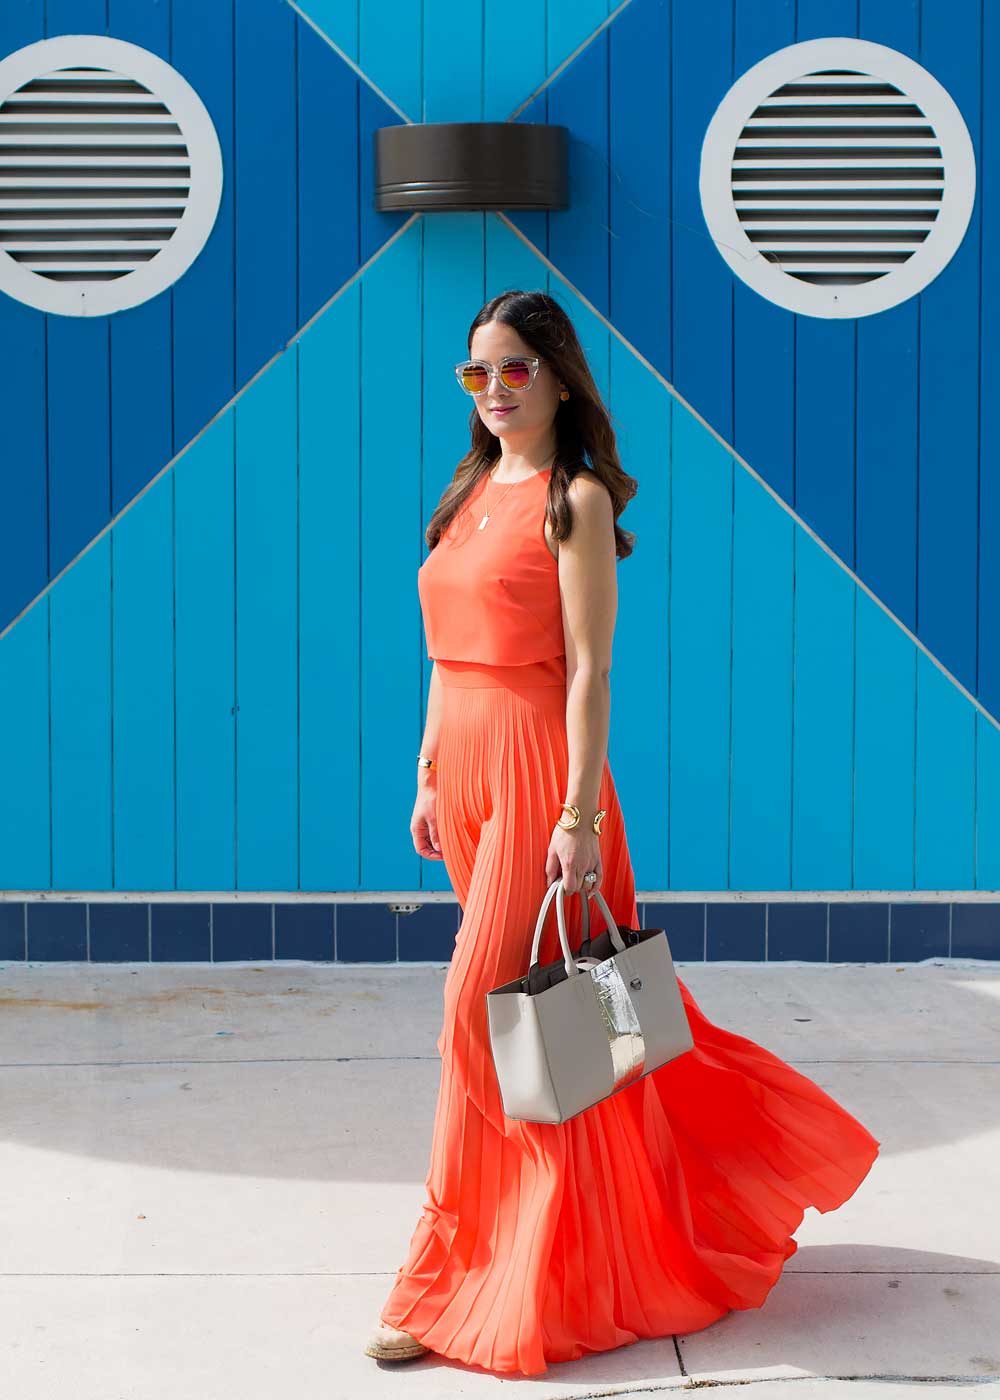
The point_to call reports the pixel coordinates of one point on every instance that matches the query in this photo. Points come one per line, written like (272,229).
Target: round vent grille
(110,175)
(837,177)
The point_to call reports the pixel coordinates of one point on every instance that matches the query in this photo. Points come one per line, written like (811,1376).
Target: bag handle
(557,890)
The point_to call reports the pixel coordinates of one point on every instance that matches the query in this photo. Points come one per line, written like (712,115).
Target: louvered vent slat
(836,175)
(100,180)
(852,145)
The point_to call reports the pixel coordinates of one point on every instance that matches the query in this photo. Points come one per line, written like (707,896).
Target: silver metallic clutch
(565,1036)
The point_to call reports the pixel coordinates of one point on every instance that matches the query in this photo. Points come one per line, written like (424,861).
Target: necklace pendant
(482,522)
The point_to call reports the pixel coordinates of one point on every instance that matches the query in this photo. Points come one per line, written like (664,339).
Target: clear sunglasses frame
(532,361)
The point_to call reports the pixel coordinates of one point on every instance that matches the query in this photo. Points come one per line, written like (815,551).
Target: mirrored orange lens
(474,379)
(516,374)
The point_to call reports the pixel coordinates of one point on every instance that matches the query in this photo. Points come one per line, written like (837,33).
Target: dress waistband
(550,672)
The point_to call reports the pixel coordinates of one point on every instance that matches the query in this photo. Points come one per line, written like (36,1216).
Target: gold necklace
(486,516)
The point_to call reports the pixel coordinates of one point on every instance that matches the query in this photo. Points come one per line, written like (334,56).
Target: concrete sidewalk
(210,1173)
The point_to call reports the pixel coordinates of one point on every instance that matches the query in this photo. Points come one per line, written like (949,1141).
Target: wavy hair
(582,422)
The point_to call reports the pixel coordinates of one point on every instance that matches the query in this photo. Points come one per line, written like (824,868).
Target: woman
(663,1207)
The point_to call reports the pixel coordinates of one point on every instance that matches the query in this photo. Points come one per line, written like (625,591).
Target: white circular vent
(110,175)
(837,177)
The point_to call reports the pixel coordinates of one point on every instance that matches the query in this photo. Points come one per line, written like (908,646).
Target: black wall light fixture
(448,166)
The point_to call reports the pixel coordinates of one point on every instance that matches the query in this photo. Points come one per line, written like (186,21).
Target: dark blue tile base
(714,930)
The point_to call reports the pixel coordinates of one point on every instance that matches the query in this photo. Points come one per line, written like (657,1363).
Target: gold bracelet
(569,826)
(426,762)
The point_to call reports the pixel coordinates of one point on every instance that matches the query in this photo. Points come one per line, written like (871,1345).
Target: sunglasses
(513,371)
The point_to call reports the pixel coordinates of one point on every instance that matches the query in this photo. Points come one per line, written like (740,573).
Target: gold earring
(564,394)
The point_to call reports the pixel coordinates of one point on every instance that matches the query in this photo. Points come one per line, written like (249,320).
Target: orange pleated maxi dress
(661,1208)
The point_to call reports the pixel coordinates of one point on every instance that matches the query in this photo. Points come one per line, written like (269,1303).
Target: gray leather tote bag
(569,1034)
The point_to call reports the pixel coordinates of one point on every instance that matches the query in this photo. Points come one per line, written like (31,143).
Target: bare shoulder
(589,496)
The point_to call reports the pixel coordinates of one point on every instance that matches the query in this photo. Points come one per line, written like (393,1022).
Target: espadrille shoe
(392,1344)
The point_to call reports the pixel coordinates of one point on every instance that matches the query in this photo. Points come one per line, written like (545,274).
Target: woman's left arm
(588,585)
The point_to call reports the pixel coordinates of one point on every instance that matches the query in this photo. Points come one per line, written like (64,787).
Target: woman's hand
(423,824)
(572,854)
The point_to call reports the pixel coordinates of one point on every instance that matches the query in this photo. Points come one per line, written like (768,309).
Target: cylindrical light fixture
(450,166)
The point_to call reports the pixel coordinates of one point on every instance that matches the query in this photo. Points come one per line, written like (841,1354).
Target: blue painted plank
(701,54)
(337,22)
(330,391)
(23,530)
(75,17)
(24,569)
(763,595)
(82,851)
(945,782)
(987,738)
(267,696)
(638,740)
(639,77)
(949,383)
(825,360)
(763,334)
(376,228)
(455,57)
(822,720)
(578,236)
(535,224)
(887,461)
(453,249)
(989,402)
(886,491)
(264,172)
(205,685)
(141,409)
(390,52)
(507,86)
(885,706)
(825,409)
(204,331)
(79,481)
(701,514)
(328,153)
(390,511)
(143,691)
(25,852)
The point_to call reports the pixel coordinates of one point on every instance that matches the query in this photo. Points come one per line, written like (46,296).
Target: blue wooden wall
(224,686)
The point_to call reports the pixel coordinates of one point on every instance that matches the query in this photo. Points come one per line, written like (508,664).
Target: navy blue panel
(140,408)
(241,932)
(702,283)
(375,227)
(684,925)
(533,225)
(796,932)
(975,930)
(365,933)
(204,366)
(578,238)
(763,334)
(11,932)
(735,931)
(918,931)
(119,932)
(329,230)
(639,79)
(859,932)
(180,933)
(428,934)
(265,174)
(57,932)
(304,931)
(23,523)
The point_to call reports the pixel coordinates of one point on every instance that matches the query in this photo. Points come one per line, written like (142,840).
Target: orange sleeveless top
(492,595)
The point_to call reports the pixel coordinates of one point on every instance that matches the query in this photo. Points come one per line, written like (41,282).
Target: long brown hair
(582,423)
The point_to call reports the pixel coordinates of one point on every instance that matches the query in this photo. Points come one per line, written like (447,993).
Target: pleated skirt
(656,1211)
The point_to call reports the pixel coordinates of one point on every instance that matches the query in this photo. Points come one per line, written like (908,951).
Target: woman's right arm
(423,823)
